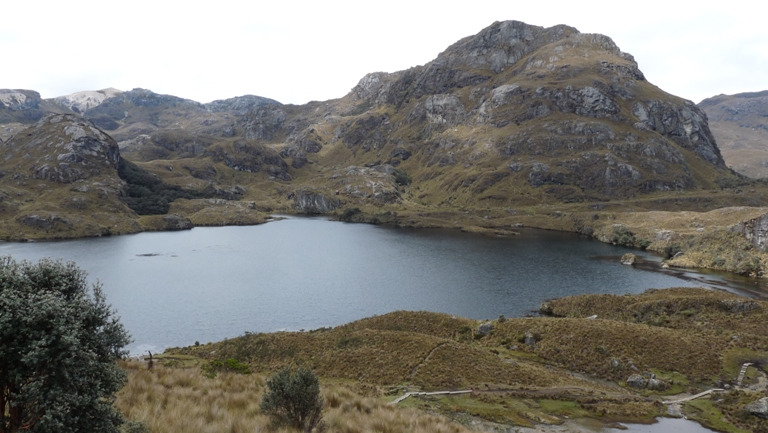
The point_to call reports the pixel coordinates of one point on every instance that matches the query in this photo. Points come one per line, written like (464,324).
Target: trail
(693,397)
(416,367)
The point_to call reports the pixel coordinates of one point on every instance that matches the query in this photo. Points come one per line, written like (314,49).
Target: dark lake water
(207,284)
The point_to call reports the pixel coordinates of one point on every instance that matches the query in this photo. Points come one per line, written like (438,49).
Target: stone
(628,259)
(530,339)
(637,381)
(484,328)
(758,408)
(656,384)
(615,363)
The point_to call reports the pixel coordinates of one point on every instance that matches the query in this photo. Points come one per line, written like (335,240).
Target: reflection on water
(207,284)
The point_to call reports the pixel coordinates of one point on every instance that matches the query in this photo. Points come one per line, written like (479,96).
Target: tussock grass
(171,400)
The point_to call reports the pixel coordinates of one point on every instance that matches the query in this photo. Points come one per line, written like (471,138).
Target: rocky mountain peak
(80,102)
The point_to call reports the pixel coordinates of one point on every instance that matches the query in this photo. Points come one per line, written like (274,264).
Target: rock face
(314,203)
(740,125)
(60,148)
(755,230)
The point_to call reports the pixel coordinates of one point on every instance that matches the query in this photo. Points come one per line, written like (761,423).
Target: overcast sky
(297,51)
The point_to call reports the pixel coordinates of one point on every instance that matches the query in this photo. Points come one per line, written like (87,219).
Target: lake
(210,283)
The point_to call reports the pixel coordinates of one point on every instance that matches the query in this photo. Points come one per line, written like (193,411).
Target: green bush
(231,365)
(294,399)
(59,343)
(402,178)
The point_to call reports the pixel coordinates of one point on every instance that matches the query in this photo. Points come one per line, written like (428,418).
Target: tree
(294,399)
(59,342)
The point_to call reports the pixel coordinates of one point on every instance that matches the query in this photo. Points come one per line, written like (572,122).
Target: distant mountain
(740,124)
(25,106)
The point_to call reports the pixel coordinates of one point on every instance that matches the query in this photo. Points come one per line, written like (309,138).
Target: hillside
(739,124)
(586,356)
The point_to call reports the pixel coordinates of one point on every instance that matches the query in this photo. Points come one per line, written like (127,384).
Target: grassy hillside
(523,371)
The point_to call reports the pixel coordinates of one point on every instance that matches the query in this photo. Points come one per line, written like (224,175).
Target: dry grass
(171,400)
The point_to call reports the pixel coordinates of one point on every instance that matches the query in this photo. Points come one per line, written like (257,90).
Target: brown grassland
(524,372)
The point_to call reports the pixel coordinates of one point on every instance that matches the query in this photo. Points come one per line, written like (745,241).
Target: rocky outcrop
(176,222)
(647,381)
(61,148)
(376,184)
(251,157)
(263,122)
(240,104)
(684,124)
(755,231)
(314,203)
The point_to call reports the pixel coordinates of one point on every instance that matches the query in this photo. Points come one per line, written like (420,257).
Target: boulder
(637,381)
(758,408)
(176,222)
(485,328)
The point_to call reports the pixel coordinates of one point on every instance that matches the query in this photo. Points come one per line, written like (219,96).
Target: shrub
(294,399)
(216,366)
(59,342)
(402,178)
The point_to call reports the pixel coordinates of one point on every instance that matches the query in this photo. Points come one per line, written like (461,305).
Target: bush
(294,399)
(59,343)
(231,365)
(402,178)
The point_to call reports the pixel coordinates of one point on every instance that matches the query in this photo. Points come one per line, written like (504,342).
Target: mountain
(517,114)
(740,124)
(514,117)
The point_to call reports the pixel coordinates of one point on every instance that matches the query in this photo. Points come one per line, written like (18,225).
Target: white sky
(297,51)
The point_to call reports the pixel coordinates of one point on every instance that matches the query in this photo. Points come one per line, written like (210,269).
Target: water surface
(207,284)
